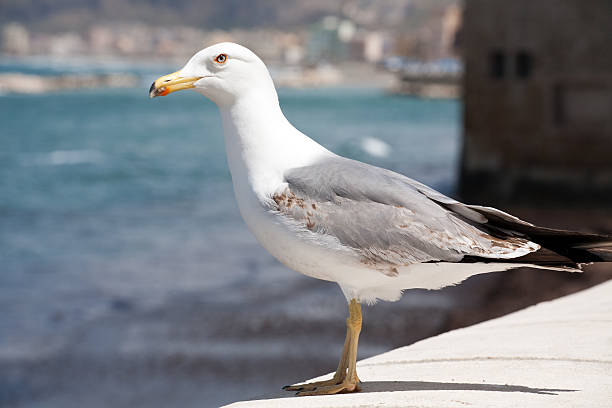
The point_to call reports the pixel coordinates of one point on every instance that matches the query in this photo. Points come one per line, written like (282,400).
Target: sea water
(115,210)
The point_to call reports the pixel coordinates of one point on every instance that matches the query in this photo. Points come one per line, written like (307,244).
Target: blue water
(108,198)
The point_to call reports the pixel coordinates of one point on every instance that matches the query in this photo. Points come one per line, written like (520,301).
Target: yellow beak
(171,83)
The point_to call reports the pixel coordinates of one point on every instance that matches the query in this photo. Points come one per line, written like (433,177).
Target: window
(497,64)
(524,64)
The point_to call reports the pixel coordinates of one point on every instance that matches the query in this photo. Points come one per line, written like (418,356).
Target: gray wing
(388,218)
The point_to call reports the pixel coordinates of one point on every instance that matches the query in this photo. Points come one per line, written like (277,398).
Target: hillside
(60,15)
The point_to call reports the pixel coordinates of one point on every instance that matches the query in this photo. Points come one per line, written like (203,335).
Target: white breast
(289,242)
(261,146)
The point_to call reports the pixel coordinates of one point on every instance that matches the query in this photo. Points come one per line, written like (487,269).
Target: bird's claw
(343,387)
(311,386)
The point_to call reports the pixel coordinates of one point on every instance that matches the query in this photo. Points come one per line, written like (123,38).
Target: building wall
(538,100)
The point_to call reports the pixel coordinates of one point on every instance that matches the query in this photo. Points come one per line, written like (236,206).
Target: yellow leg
(338,376)
(345,379)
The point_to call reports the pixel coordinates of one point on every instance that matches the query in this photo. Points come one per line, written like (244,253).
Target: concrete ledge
(555,354)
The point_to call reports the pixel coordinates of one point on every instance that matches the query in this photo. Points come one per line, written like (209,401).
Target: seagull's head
(223,72)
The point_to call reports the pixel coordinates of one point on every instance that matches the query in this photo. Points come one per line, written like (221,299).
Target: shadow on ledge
(390,386)
(387,386)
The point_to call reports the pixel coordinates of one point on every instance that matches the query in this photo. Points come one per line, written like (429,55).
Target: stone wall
(538,100)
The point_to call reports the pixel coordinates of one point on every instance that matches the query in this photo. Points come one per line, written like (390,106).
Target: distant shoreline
(39,74)
(15,82)
(36,74)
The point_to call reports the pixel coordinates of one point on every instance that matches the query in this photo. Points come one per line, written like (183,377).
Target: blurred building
(538,101)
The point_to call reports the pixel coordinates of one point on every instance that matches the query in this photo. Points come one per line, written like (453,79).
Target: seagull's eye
(221,58)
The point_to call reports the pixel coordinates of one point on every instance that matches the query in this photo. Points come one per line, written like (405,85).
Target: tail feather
(559,247)
(597,245)
(604,253)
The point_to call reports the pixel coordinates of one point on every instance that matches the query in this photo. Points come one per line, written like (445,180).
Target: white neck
(261,144)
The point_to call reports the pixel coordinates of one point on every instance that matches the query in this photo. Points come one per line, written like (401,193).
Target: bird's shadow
(390,386)
(386,386)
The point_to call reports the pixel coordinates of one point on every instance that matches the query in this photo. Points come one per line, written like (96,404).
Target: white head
(223,72)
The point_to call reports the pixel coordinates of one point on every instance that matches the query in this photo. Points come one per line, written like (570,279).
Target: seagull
(373,231)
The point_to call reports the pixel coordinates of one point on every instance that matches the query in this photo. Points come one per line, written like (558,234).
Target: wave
(65,157)
(375,147)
